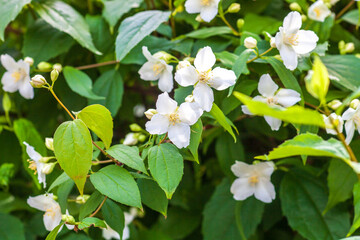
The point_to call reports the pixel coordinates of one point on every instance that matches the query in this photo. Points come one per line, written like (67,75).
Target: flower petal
(42,202)
(306,42)
(179,134)
(109,233)
(166,82)
(265,169)
(41,175)
(186,76)
(193,6)
(204,96)
(289,56)
(34,155)
(158,124)
(205,59)
(241,189)
(274,123)
(246,110)
(318,11)
(265,191)
(287,97)
(241,169)
(165,105)
(350,130)
(147,72)
(266,86)
(348,114)
(52,219)
(208,13)
(189,113)
(9,83)
(222,78)
(8,62)
(26,90)
(292,22)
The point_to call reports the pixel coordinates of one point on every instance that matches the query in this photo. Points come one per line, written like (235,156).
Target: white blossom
(203,78)
(274,97)
(253,180)
(318,11)
(109,233)
(139,110)
(46,203)
(291,41)
(16,77)
(157,69)
(208,9)
(174,120)
(352,122)
(329,123)
(36,164)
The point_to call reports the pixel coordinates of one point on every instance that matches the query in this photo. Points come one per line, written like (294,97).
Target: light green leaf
(226,58)
(166,166)
(294,114)
(91,221)
(222,120)
(80,83)
(209,32)
(128,156)
(118,184)
(90,205)
(113,216)
(258,24)
(99,120)
(135,28)
(308,144)
(8,12)
(53,234)
(195,139)
(11,228)
(356,222)
(73,150)
(115,9)
(63,17)
(58,181)
(352,17)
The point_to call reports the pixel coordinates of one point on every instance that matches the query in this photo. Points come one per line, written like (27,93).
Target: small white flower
(329,124)
(46,203)
(139,110)
(273,97)
(253,180)
(174,120)
(203,77)
(109,233)
(130,139)
(35,163)
(157,69)
(16,77)
(291,41)
(318,11)
(352,118)
(250,42)
(208,9)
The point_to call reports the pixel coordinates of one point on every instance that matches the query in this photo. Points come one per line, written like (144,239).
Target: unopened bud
(45,159)
(150,113)
(48,168)
(130,139)
(199,19)
(295,7)
(142,138)
(68,219)
(334,104)
(354,103)
(272,42)
(183,64)
(349,47)
(341,46)
(190,98)
(234,8)
(44,66)
(303,17)
(38,81)
(49,143)
(54,75)
(58,67)
(29,61)
(164,56)
(135,127)
(240,23)
(82,199)
(250,42)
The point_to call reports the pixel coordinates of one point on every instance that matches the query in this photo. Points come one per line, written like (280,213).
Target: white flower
(139,110)
(250,42)
(157,69)
(274,97)
(329,124)
(174,120)
(352,118)
(207,8)
(16,77)
(253,180)
(109,233)
(204,78)
(35,163)
(291,41)
(318,11)
(46,203)
(130,139)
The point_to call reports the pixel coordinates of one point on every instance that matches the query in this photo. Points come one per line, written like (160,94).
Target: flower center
(317,11)
(32,166)
(253,180)
(205,2)
(271,101)
(174,118)
(204,76)
(18,75)
(51,212)
(158,68)
(292,39)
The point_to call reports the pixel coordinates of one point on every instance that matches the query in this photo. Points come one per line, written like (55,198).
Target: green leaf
(115,9)
(152,196)
(249,215)
(73,150)
(352,17)
(58,181)
(8,12)
(166,166)
(63,17)
(308,144)
(226,58)
(11,228)
(98,119)
(356,222)
(53,234)
(318,85)
(43,42)
(240,66)
(135,28)
(341,180)
(91,221)
(303,196)
(80,83)
(209,32)
(113,216)
(100,33)
(118,184)
(258,24)
(63,194)
(294,114)
(90,205)
(222,120)
(195,139)
(128,156)
(111,86)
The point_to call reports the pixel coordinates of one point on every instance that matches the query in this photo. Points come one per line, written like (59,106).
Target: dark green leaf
(11,228)
(90,205)
(113,216)
(152,196)
(195,139)
(114,9)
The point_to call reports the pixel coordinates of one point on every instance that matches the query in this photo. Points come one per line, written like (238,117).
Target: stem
(172,20)
(57,99)
(258,56)
(345,9)
(163,139)
(90,6)
(222,16)
(105,153)
(102,162)
(99,207)
(97,65)
(314,107)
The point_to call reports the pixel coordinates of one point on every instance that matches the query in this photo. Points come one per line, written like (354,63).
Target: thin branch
(97,65)
(345,9)
(258,56)
(99,207)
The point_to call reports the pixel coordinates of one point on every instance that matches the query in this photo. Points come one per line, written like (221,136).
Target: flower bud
(38,81)
(58,67)
(183,64)
(130,139)
(45,159)
(150,113)
(240,23)
(349,47)
(272,42)
(54,75)
(199,19)
(49,143)
(48,167)
(142,138)
(29,61)
(303,17)
(164,56)
(82,199)
(135,127)
(295,7)
(139,110)
(250,42)
(44,66)
(189,99)
(234,8)
(334,104)
(354,103)
(68,219)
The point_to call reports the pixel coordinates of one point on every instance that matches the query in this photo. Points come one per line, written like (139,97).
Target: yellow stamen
(317,12)
(292,39)
(253,180)
(271,101)
(16,76)
(158,68)
(205,2)
(32,166)
(205,76)
(174,118)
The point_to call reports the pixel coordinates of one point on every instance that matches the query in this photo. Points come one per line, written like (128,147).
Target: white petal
(306,42)
(52,218)
(148,55)
(204,96)
(186,76)
(8,62)
(348,114)
(265,169)
(318,11)
(205,59)
(222,78)
(147,72)
(274,123)
(41,175)
(208,13)
(350,130)
(24,66)
(193,6)
(189,113)
(287,97)
(241,169)
(108,233)
(42,202)
(289,56)
(26,90)
(246,110)
(129,217)
(166,82)
(265,191)
(241,189)
(165,105)
(126,233)
(158,124)
(266,86)
(34,155)
(9,83)
(292,22)
(179,134)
